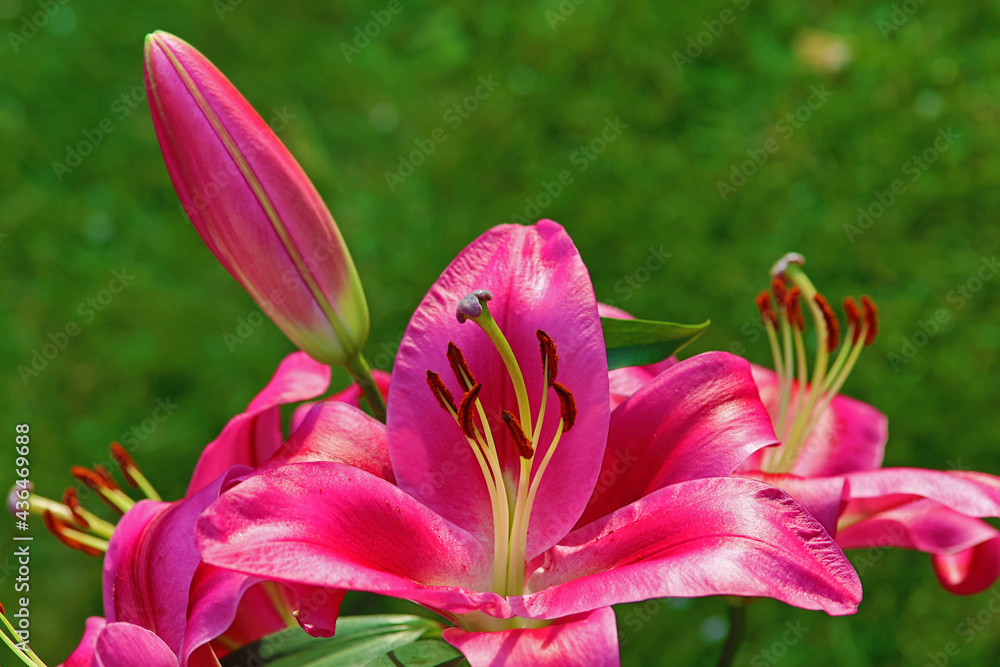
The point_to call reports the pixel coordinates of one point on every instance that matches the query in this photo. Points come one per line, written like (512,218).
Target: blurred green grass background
(62,235)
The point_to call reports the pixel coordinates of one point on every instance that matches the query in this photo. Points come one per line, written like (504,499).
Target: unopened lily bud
(252,203)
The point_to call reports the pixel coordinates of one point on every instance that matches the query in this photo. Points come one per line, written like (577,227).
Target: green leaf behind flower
(641,342)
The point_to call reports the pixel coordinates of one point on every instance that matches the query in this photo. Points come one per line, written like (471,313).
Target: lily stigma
(803,400)
(511,503)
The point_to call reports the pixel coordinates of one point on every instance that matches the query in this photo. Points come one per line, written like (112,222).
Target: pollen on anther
(521,441)
(71,501)
(871,319)
(853,314)
(441,393)
(465,415)
(459,366)
(58,528)
(832,323)
(767,313)
(794,301)
(567,405)
(105,474)
(780,291)
(549,355)
(125,463)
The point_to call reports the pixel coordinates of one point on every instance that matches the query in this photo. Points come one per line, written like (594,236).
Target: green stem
(737,627)
(361,373)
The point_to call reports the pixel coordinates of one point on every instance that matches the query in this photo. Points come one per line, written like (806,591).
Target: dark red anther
(794,302)
(90,479)
(465,417)
(567,405)
(95,481)
(441,393)
(767,313)
(125,463)
(832,323)
(871,319)
(853,313)
(549,356)
(460,367)
(780,291)
(73,503)
(106,476)
(522,443)
(58,528)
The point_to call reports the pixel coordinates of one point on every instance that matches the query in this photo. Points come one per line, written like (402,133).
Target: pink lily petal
(83,655)
(972,494)
(699,418)
(717,536)
(920,524)
(127,645)
(141,585)
(851,435)
(970,571)
(823,497)
(254,435)
(252,203)
(244,608)
(339,433)
(538,282)
(583,640)
(351,395)
(334,526)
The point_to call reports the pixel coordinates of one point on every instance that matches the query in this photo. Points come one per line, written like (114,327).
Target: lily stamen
(100,481)
(798,417)
(130,471)
(510,527)
(72,538)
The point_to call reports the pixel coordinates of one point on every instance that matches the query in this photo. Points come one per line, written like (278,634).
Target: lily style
(832,446)
(480,497)
(178,610)
(255,208)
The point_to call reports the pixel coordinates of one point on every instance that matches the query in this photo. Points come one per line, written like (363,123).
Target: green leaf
(359,640)
(424,653)
(641,342)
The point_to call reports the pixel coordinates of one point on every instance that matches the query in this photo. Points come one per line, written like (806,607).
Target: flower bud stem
(361,373)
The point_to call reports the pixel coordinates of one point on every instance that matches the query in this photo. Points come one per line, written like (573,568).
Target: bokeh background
(698,88)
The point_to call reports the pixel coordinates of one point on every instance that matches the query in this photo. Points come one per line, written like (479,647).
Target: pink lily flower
(830,459)
(252,203)
(489,496)
(180,609)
